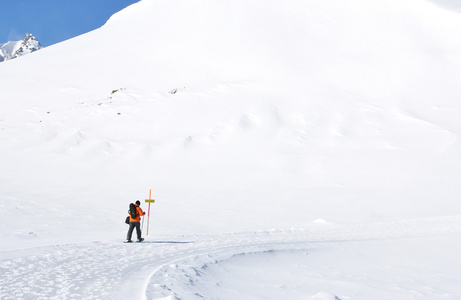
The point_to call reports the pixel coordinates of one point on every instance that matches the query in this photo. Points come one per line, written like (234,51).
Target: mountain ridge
(14,49)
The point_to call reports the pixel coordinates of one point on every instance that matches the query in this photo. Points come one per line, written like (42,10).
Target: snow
(295,150)
(7,49)
(17,49)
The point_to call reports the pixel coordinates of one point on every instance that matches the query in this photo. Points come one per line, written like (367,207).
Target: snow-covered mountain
(266,131)
(16,49)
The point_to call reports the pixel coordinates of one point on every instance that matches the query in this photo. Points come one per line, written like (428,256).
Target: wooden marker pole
(150,200)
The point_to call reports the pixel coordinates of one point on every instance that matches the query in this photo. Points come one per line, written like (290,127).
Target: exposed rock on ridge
(16,49)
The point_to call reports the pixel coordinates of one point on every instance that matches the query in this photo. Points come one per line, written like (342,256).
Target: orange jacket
(139,213)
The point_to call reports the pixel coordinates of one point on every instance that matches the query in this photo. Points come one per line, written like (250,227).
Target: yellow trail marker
(148,211)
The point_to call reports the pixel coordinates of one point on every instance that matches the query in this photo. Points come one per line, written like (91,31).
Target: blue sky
(53,21)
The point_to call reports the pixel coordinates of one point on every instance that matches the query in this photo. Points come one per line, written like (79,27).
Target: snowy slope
(241,117)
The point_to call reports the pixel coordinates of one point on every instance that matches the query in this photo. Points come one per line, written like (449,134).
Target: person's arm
(141,212)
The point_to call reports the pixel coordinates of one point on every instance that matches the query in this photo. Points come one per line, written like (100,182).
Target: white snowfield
(398,260)
(296,149)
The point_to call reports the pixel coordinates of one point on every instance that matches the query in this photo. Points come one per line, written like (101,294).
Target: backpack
(133,211)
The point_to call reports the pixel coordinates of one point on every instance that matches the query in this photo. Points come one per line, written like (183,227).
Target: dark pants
(138,230)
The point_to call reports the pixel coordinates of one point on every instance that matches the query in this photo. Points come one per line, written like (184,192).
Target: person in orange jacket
(135,223)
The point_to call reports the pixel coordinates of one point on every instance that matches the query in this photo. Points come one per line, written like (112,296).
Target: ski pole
(142,226)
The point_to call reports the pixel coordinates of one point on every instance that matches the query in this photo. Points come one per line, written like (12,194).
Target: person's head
(138,202)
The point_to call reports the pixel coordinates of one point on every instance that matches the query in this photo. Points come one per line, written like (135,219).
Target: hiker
(135,222)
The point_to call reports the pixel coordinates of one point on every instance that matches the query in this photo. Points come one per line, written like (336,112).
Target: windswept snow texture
(295,149)
(399,260)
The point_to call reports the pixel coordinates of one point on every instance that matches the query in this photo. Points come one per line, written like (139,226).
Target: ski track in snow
(116,270)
